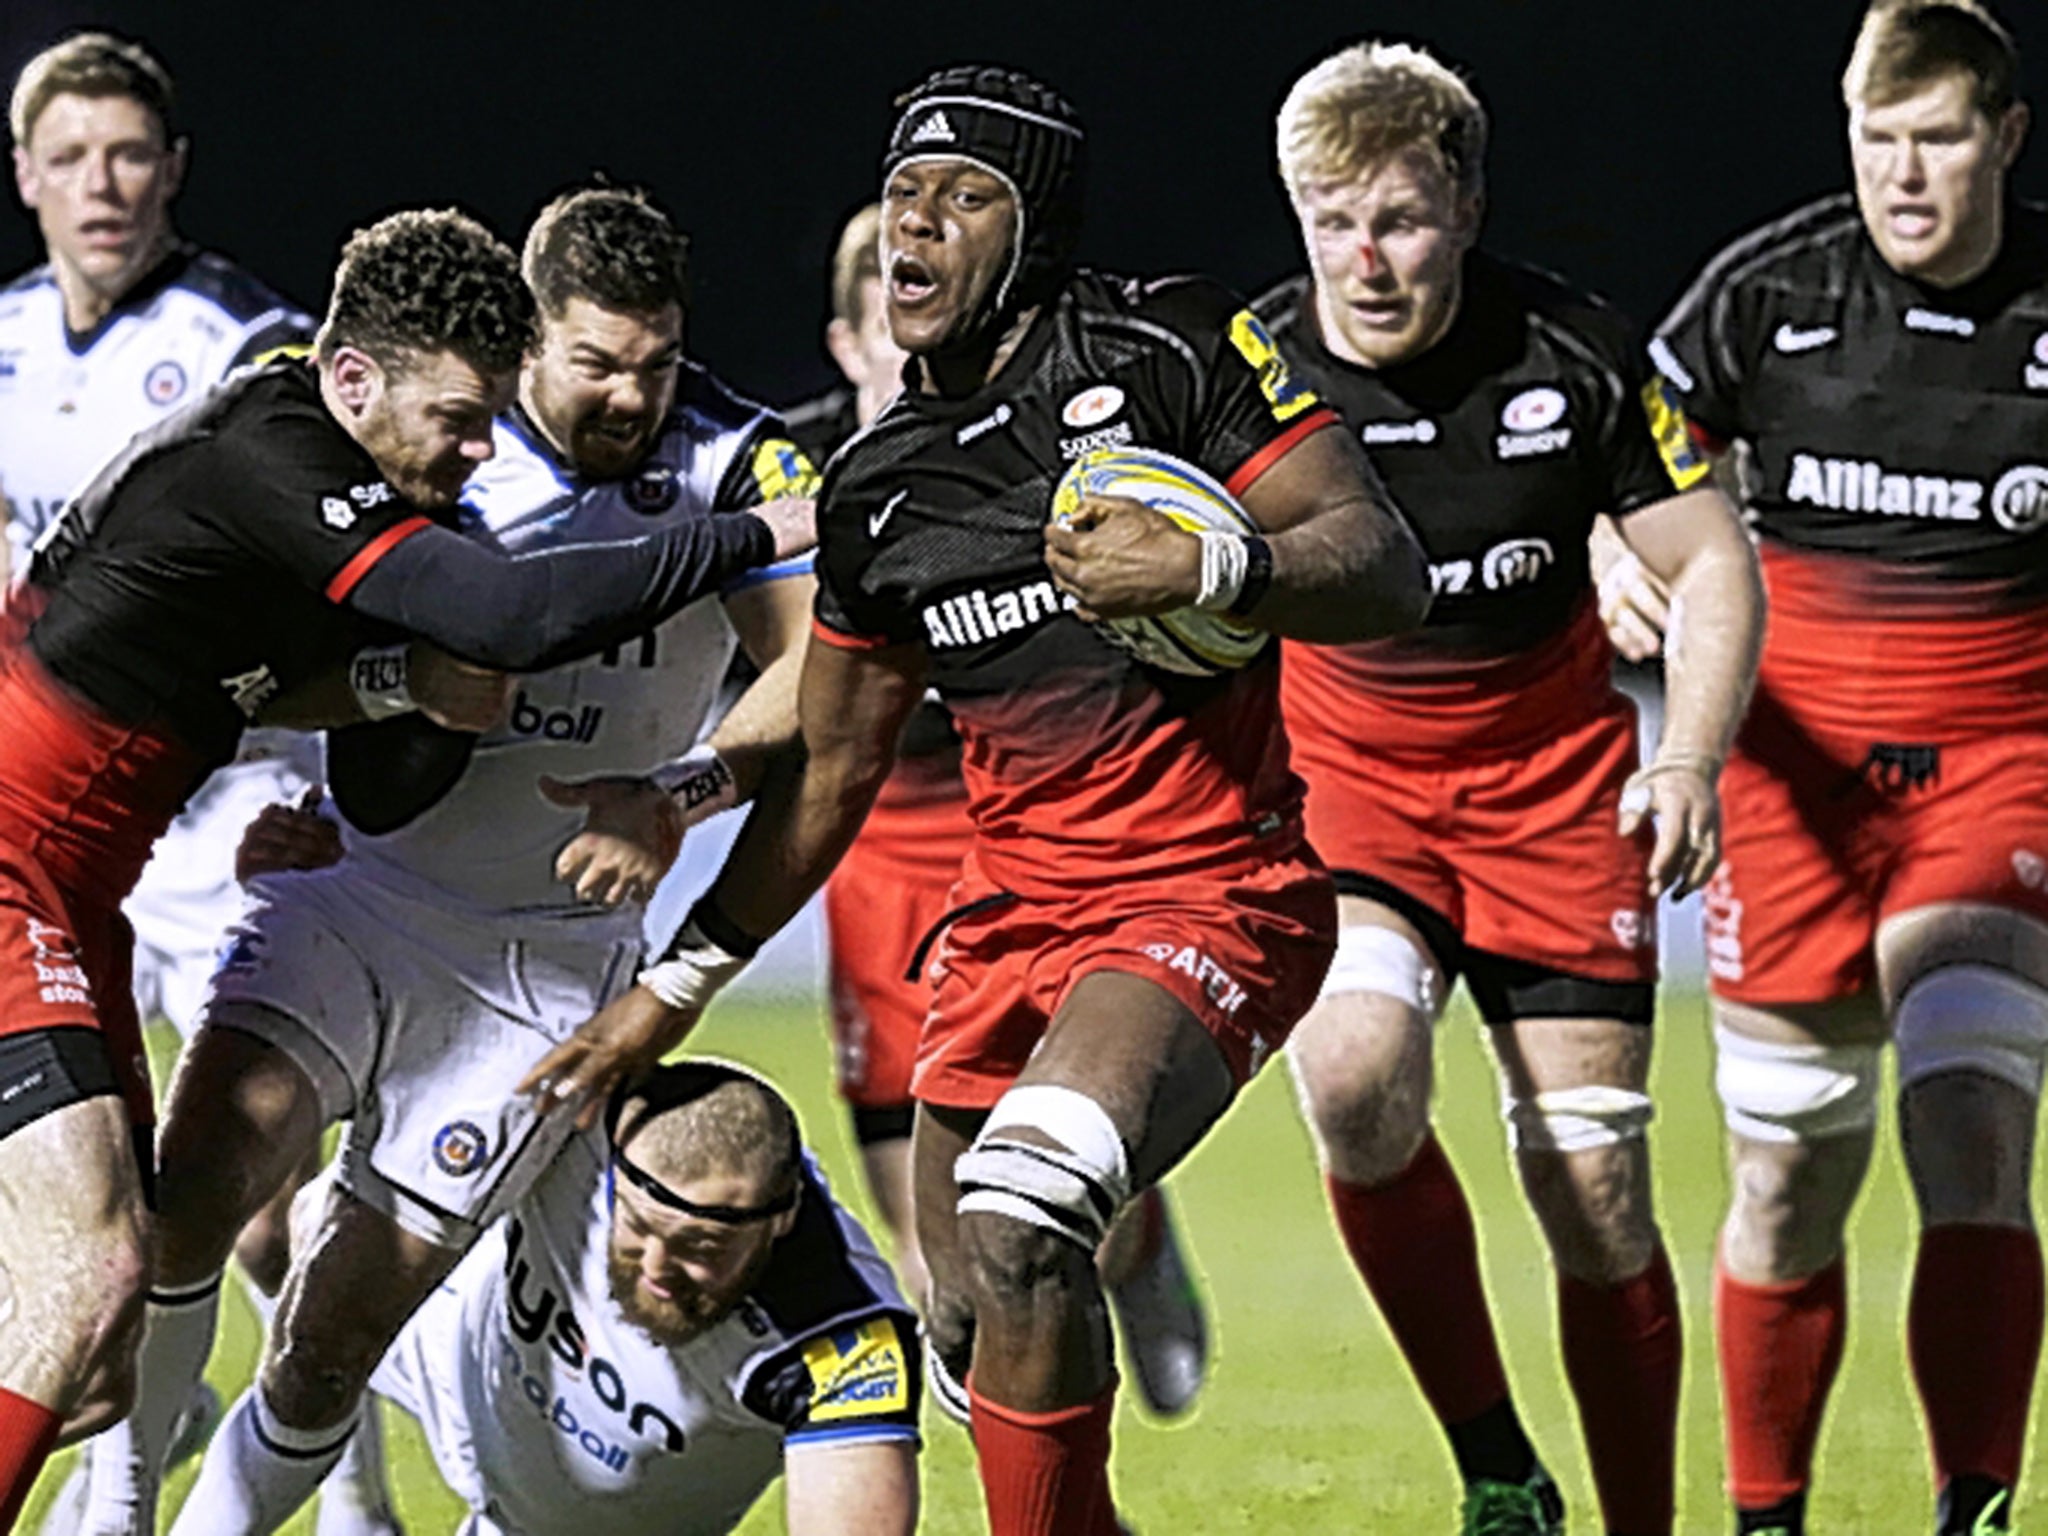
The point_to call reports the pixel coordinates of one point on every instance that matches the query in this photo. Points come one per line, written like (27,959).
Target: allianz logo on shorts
(2018,500)
(1216,983)
(1721,923)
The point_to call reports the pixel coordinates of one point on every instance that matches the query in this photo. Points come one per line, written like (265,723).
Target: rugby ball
(1190,641)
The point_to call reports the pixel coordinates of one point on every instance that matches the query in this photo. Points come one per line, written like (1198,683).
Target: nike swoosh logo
(1792,338)
(877,521)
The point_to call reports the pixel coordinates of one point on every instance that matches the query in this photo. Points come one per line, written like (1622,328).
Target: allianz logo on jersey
(1533,422)
(2018,500)
(1513,563)
(578,726)
(977,617)
(549,1318)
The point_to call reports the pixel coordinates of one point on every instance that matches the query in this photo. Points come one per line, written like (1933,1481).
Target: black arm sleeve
(529,612)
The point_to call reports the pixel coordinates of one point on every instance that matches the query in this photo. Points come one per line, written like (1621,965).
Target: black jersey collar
(147,287)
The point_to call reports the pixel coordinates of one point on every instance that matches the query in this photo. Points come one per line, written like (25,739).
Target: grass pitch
(1309,1423)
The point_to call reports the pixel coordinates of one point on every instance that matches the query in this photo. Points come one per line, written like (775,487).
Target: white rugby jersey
(491,841)
(69,402)
(549,1412)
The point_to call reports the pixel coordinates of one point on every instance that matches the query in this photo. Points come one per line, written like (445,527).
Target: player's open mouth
(658,1290)
(104,232)
(911,281)
(1380,311)
(620,433)
(1912,221)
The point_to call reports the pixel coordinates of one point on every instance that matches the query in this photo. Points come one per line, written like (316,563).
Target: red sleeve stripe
(845,642)
(1708,442)
(1268,456)
(359,565)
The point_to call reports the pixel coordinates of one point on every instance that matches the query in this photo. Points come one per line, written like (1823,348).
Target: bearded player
(1877,367)
(895,885)
(410,985)
(674,1316)
(1474,785)
(267,550)
(1140,921)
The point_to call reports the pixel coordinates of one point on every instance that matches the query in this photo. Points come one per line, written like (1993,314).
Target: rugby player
(266,550)
(121,325)
(1878,364)
(1474,785)
(1140,921)
(894,886)
(666,1321)
(412,983)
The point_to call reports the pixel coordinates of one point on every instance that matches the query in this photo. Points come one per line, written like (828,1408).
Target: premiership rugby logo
(461,1148)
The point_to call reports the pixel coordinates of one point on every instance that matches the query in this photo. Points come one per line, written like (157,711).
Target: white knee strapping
(1775,1090)
(1973,1018)
(1576,1119)
(1074,1190)
(1371,959)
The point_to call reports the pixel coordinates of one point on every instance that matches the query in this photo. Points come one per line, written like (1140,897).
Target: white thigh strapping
(1779,1091)
(1973,1018)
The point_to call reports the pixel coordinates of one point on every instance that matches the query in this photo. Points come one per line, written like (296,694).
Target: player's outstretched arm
(634,824)
(867,1488)
(526,613)
(852,704)
(1694,543)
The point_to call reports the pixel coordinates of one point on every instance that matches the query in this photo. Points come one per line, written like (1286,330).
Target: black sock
(1787,1516)
(1492,1446)
(1964,1502)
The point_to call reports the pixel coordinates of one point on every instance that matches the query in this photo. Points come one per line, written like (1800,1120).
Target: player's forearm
(852,1490)
(1353,571)
(1716,631)
(540,610)
(762,724)
(805,816)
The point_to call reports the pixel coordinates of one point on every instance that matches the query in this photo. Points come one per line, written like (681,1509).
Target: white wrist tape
(378,674)
(1224,562)
(692,973)
(701,783)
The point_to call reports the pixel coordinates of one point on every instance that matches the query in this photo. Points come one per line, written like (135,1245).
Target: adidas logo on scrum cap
(933,130)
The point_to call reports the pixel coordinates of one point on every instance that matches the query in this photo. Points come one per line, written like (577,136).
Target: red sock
(1045,1474)
(1973,1330)
(1780,1347)
(1413,1244)
(1623,1345)
(27,1431)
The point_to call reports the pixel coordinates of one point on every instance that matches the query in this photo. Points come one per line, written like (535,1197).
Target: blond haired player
(1474,785)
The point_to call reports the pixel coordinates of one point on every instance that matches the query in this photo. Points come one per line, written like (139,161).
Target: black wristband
(708,920)
(1258,577)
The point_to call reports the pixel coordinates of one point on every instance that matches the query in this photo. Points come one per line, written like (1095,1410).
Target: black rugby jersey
(1501,444)
(1881,418)
(1079,759)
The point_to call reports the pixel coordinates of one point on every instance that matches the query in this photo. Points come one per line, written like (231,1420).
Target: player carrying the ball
(1142,921)
(1474,785)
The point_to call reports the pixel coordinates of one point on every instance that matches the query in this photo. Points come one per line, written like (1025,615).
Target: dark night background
(1629,139)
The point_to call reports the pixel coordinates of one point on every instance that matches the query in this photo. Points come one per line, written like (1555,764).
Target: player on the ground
(672,1316)
(894,886)
(1140,920)
(1473,786)
(1879,365)
(265,550)
(411,984)
(123,324)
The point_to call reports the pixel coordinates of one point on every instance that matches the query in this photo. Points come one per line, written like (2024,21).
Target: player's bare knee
(1039,1188)
(317,1371)
(1584,1157)
(1972,1042)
